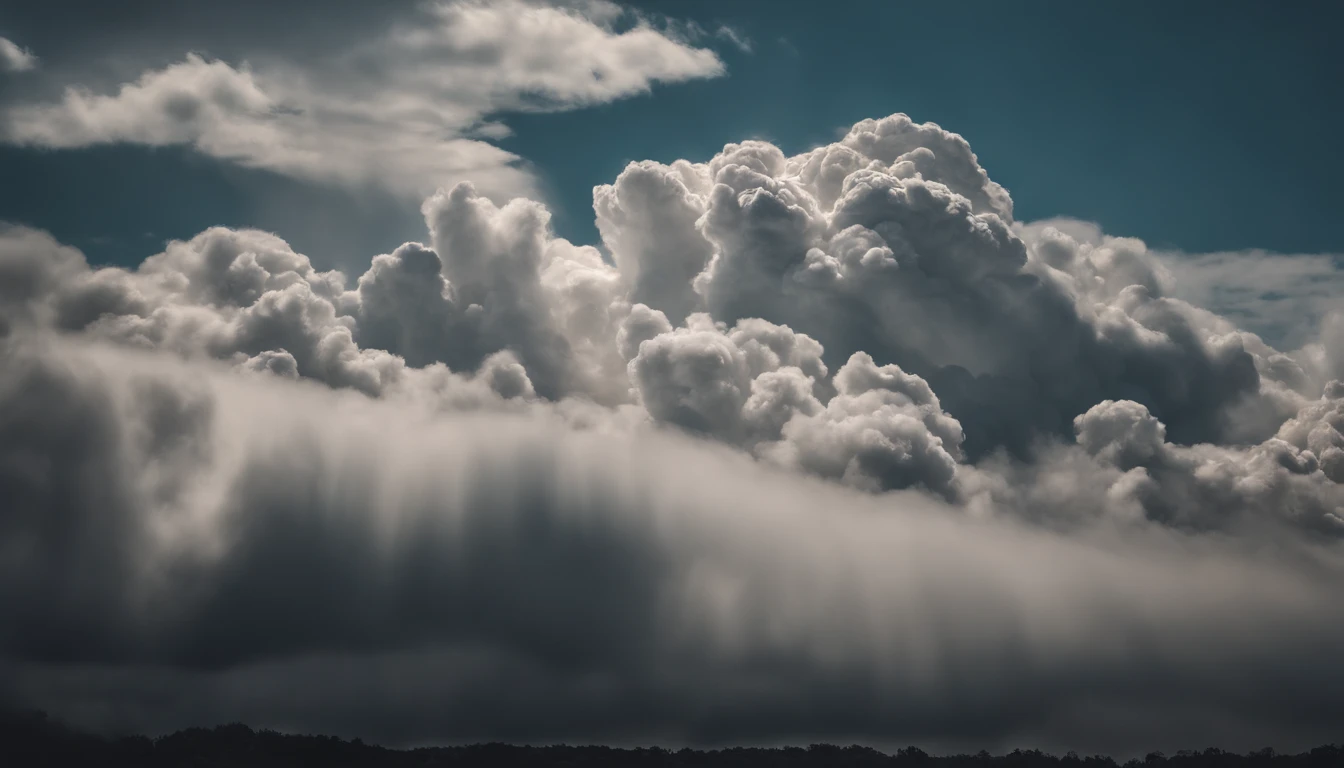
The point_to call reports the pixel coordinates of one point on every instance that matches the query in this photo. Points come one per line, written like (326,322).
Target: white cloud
(397,111)
(841,389)
(749,299)
(15,59)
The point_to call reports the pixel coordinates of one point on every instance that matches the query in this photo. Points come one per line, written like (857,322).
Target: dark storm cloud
(831,447)
(244,554)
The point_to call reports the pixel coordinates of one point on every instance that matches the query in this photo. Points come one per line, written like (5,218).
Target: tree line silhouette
(33,739)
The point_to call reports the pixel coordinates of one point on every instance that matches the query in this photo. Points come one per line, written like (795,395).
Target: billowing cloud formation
(408,110)
(826,446)
(15,59)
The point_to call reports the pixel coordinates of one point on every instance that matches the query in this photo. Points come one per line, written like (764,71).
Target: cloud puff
(805,310)
(406,110)
(828,445)
(893,241)
(884,429)
(14,58)
(503,282)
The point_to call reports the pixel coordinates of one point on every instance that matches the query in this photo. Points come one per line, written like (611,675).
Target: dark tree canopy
(32,739)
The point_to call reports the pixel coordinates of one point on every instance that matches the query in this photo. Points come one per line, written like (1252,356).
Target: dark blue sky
(1195,125)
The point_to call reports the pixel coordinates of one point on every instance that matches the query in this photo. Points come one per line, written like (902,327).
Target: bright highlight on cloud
(407,111)
(830,447)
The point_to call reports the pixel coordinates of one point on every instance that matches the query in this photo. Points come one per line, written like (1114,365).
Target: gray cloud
(892,280)
(883,429)
(14,58)
(244,554)
(829,447)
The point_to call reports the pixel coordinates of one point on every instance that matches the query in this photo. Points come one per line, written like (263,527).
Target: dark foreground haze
(32,739)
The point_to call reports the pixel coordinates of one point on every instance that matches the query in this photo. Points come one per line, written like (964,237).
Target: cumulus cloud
(884,429)
(14,58)
(868,312)
(407,110)
(825,445)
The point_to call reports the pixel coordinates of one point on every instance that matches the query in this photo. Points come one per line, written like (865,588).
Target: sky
(679,373)
(1199,126)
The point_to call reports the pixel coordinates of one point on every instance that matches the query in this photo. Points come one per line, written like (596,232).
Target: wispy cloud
(734,36)
(15,59)
(409,110)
